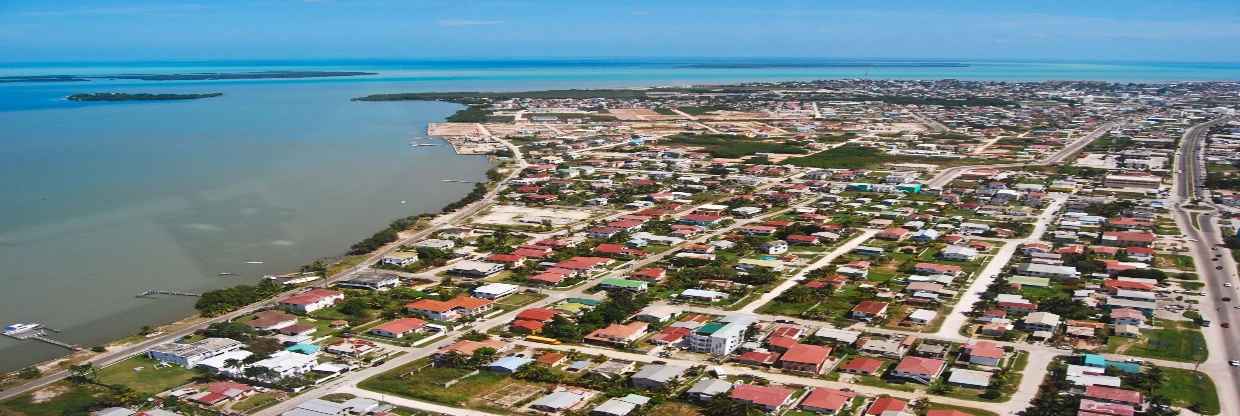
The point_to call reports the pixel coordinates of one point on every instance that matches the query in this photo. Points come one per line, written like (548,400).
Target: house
(618,251)
(770,398)
(612,283)
(650,274)
(969,378)
(311,300)
(1127,316)
(1114,395)
(1092,407)
(861,366)
(560,400)
(775,247)
(721,337)
(400,258)
(894,234)
(283,364)
(935,268)
(1128,238)
(826,400)
(467,348)
(618,334)
(703,295)
(509,260)
(805,358)
(886,405)
(921,317)
(494,291)
(958,253)
(399,328)
(926,235)
(371,281)
(657,376)
(271,320)
(459,307)
(759,358)
(474,268)
(220,392)
(802,239)
(984,353)
(1041,321)
(509,365)
(189,355)
(888,347)
(1048,270)
(620,406)
(869,310)
(707,388)
(919,369)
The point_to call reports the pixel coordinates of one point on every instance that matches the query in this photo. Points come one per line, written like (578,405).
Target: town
(843,247)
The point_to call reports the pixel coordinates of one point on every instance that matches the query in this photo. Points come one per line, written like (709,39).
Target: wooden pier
(151,292)
(40,334)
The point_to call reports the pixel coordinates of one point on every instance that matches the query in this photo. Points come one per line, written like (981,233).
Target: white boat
(18,328)
(428,144)
(253,262)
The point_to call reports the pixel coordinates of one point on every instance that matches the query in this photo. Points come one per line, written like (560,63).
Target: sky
(119,30)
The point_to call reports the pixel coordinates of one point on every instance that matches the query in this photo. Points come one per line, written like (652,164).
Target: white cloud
(467,22)
(117,11)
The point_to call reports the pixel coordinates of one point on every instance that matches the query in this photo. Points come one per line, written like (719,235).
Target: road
(1213,264)
(800,275)
(947,175)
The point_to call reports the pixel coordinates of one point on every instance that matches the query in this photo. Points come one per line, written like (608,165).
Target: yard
(1189,389)
(427,383)
(517,300)
(62,398)
(256,402)
(1168,343)
(145,376)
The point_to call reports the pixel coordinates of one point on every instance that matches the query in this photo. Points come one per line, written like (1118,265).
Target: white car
(1234,363)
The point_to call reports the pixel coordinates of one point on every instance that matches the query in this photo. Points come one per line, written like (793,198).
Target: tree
(120,395)
(231,330)
(724,406)
(260,373)
(264,346)
(29,373)
(482,356)
(354,306)
(83,373)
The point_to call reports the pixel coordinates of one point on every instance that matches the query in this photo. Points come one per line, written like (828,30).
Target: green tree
(83,373)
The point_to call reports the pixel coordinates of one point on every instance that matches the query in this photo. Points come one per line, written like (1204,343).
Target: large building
(1132,181)
(721,337)
(189,355)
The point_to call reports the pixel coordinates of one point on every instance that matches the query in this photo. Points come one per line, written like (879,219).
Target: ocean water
(105,200)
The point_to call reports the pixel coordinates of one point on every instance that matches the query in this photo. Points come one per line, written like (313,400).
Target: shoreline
(123,341)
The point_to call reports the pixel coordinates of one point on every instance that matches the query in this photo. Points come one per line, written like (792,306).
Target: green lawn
(852,156)
(426,383)
(74,400)
(969,410)
(141,374)
(256,402)
(1187,388)
(518,300)
(1185,345)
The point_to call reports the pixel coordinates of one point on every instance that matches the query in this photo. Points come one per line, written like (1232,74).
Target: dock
(40,334)
(151,292)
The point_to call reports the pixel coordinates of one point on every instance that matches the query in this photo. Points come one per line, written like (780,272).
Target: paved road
(947,175)
(1223,343)
(800,275)
(956,318)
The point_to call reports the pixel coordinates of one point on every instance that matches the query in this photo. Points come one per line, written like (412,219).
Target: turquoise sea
(104,200)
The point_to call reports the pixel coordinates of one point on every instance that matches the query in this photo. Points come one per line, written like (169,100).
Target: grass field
(730,146)
(675,409)
(142,375)
(1185,345)
(968,410)
(73,400)
(851,156)
(256,402)
(427,383)
(1187,388)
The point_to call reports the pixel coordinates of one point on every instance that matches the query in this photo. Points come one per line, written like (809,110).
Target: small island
(121,96)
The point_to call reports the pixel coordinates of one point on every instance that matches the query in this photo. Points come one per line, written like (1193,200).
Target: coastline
(124,341)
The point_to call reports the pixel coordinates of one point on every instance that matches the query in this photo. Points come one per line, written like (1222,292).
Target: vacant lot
(731,146)
(145,376)
(1189,389)
(62,398)
(851,156)
(514,215)
(1171,343)
(427,383)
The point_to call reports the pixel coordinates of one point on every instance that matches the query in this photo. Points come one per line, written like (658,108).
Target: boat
(227,274)
(253,262)
(428,144)
(20,327)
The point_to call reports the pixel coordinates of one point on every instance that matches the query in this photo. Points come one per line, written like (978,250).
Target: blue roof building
(509,364)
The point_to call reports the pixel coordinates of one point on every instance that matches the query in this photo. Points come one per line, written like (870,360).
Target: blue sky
(88,30)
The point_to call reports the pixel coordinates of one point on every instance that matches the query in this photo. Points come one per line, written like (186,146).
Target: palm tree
(83,373)
(234,364)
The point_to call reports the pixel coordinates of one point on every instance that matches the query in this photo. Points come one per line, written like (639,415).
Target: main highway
(1214,264)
